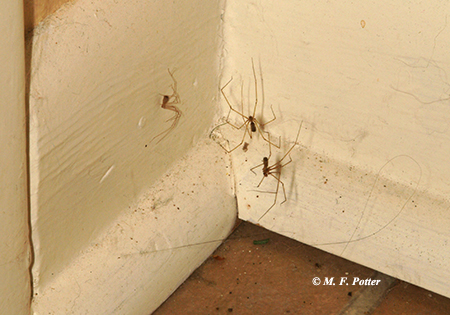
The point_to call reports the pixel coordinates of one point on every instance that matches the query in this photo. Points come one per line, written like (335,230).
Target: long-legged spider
(169,102)
(274,170)
(251,123)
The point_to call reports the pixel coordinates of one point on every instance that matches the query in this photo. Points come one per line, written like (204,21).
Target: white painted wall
(369,81)
(153,245)
(109,208)
(15,284)
(111,211)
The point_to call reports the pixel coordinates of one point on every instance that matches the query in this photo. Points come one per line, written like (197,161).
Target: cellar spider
(169,102)
(251,123)
(274,170)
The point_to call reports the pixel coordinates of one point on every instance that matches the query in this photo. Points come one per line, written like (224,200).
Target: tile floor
(275,277)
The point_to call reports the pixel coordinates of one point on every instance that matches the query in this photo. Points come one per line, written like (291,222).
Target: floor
(256,271)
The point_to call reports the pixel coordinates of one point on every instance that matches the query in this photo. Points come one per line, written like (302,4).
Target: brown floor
(242,277)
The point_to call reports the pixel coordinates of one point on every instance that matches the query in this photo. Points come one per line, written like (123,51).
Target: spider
(169,102)
(274,170)
(251,123)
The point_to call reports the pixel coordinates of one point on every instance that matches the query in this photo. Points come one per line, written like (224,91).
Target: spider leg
(256,167)
(274,202)
(256,89)
(174,86)
(278,184)
(295,143)
(172,118)
(268,122)
(175,119)
(266,212)
(245,118)
(229,104)
(165,133)
(290,160)
(242,141)
(261,181)
(174,109)
(284,191)
(234,126)
(257,124)
(176,97)
(276,194)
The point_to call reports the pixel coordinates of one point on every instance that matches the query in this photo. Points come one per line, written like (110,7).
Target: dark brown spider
(274,170)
